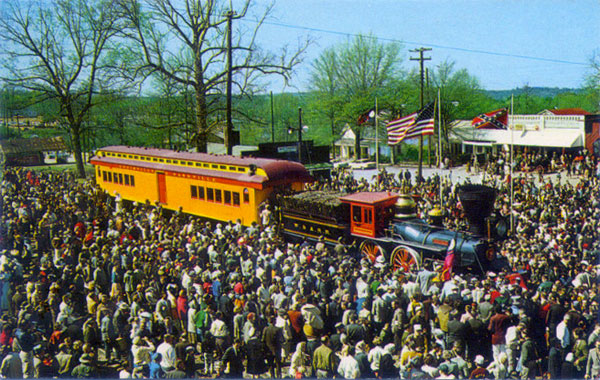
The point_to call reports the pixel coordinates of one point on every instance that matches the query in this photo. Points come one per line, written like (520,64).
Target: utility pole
(272,120)
(229,126)
(299,134)
(429,139)
(421,60)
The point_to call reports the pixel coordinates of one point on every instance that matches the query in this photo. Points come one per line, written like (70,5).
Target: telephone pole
(421,60)
(229,127)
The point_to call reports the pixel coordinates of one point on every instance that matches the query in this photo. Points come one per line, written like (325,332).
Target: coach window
(109,174)
(218,197)
(126,179)
(368,216)
(200,192)
(132,180)
(227,197)
(356,216)
(104,176)
(246,196)
(120,178)
(236,199)
(194,191)
(210,194)
(175,161)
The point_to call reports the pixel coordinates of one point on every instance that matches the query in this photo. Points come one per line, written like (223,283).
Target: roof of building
(569,111)
(34,144)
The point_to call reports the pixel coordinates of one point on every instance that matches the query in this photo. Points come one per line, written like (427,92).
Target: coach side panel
(131,183)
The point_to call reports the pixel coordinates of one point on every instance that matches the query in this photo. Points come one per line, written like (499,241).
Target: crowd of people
(91,286)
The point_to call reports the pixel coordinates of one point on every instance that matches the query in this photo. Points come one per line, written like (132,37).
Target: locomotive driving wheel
(370,250)
(405,258)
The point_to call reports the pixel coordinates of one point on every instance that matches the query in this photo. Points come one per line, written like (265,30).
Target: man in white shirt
(348,367)
(167,353)
(141,352)
(563,333)
(375,355)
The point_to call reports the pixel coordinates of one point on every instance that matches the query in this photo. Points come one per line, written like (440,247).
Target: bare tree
(57,49)
(186,42)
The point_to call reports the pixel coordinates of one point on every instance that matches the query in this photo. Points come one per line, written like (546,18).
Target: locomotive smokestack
(478,203)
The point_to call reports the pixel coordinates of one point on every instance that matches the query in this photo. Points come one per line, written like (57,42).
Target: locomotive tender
(383,225)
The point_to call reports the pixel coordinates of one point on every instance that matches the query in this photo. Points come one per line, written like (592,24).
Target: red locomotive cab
(370,212)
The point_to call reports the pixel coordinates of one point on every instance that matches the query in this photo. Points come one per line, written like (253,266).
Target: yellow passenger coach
(218,187)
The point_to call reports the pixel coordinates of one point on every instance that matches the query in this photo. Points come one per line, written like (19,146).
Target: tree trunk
(332,138)
(357,143)
(201,111)
(76,138)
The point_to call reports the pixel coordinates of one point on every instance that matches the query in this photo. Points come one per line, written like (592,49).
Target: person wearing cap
(85,368)
(479,372)
(335,340)
(445,372)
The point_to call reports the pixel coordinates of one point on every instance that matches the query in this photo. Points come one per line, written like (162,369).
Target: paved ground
(457,174)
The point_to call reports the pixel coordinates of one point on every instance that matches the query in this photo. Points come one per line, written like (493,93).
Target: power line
(476,51)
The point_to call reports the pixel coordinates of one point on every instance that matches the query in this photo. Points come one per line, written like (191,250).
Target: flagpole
(440,145)
(376,143)
(512,148)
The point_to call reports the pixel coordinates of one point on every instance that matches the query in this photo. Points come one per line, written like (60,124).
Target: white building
(568,129)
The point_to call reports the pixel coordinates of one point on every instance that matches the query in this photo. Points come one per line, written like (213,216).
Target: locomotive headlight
(490,253)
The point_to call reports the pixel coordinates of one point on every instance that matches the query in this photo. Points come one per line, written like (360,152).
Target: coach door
(162,188)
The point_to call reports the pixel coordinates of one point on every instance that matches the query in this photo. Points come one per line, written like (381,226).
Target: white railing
(539,122)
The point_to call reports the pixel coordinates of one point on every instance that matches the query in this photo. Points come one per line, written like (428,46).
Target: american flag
(497,119)
(416,124)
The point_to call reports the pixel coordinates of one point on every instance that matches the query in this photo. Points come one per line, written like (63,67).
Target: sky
(506,44)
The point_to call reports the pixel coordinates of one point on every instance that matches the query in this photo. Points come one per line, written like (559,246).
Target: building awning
(479,143)
(547,139)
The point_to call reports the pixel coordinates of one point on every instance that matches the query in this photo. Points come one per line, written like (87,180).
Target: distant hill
(542,92)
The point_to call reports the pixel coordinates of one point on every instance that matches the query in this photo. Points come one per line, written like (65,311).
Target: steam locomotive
(385,228)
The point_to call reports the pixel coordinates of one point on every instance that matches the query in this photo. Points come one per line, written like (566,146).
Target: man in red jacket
(499,323)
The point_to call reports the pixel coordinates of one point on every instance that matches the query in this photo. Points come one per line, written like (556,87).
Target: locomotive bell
(406,208)
(436,215)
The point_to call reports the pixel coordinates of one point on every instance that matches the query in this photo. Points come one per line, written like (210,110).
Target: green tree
(352,75)
(461,95)
(61,50)
(186,42)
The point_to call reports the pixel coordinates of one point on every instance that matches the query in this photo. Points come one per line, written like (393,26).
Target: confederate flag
(497,119)
(448,262)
